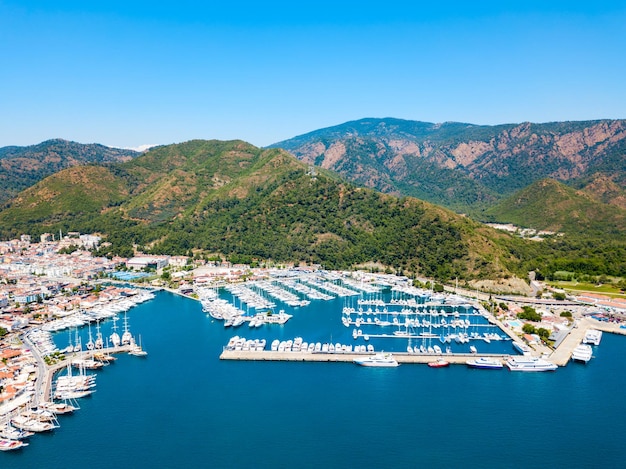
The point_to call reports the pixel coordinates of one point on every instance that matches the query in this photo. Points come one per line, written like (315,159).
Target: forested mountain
(238,200)
(466,167)
(21,167)
(245,203)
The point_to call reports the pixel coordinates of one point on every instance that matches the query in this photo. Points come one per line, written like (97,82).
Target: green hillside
(237,200)
(22,167)
(553,206)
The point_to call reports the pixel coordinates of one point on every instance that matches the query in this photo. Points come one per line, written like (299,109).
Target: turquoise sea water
(183,407)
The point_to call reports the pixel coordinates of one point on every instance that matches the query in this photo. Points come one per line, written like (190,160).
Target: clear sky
(127,73)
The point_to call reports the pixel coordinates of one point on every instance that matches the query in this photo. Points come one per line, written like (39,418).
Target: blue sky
(128,73)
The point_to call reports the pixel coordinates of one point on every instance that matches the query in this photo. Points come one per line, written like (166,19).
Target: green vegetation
(530,314)
(541,332)
(550,205)
(610,288)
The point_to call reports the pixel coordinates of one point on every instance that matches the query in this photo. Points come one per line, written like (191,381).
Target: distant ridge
(21,167)
(467,167)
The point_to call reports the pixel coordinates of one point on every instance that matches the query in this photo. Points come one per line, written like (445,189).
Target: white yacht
(115,337)
(528,363)
(126,336)
(378,360)
(582,353)
(485,363)
(592,336)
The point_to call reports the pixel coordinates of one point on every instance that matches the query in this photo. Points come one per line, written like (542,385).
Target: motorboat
(528,363)
(378,360)
(582,353)
(439,363)
(9,445)
(484,363)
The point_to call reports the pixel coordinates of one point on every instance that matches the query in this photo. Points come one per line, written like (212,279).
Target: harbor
(284,318)
(137,400)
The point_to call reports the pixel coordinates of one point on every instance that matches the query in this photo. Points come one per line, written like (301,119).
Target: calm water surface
(183,407)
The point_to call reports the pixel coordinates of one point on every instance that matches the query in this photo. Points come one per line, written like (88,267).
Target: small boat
(439,363)
(10,445)
(378,360)
(9,432)
(484,363)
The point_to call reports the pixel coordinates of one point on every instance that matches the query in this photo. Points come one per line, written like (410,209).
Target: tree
(528,328)
(529,313)
(543,333)
(560,296)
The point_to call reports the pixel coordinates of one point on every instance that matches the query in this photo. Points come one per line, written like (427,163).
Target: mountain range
(472,168)
(234,199)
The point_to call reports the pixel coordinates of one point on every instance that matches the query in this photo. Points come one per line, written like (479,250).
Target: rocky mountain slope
(470,167)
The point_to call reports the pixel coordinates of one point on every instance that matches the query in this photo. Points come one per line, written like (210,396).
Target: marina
(135,392)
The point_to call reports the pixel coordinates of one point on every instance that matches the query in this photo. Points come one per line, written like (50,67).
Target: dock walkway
(401,357)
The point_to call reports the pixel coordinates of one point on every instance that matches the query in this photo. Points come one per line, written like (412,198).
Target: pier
(46,372)
(348,357)
(563,353)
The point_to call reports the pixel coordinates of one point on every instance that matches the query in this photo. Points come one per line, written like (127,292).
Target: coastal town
(49,285)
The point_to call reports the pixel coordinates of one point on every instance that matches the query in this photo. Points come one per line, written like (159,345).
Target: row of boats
(294,345)
(30,420)
(513,363)
(98,312)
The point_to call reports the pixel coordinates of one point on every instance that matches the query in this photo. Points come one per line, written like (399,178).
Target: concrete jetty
(562,355)
(401,357)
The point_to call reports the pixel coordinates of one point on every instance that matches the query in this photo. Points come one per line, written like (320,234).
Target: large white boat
(378,360)
(528,363)
(592,336)
(582,353)
(269,318)
(485,363)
